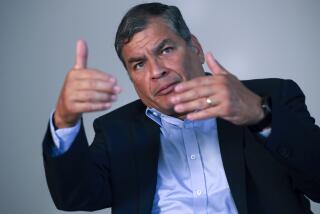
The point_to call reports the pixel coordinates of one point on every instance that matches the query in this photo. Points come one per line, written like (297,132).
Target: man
(193,143)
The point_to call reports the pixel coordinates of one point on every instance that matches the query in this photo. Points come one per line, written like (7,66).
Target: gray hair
(137,19)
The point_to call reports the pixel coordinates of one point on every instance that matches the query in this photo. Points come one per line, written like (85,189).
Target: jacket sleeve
(295,139)
(79,179)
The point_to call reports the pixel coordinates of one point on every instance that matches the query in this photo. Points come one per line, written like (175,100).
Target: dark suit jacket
(119,169)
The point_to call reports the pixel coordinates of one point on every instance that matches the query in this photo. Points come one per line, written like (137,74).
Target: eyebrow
(157,49)
(160,46)
(135,59)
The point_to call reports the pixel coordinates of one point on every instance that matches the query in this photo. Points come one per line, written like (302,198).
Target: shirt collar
(154,115)
(161,118)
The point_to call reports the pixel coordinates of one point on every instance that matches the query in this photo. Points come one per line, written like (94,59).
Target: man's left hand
(219,95)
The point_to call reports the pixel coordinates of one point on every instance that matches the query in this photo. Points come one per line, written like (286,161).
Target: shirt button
(193,157)
(198,192)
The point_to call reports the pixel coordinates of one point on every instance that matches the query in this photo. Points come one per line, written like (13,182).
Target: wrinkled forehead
(152,35)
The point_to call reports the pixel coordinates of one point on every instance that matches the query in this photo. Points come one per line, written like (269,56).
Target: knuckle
(209,90)
(96,106)
(92,84)
(193,93)
(70,85)
(101,106)
(76,84)
(71,108)
(105,97)
(90,107)
(98,96)
(202,103)
(70,98)
(87,96)
(93,107)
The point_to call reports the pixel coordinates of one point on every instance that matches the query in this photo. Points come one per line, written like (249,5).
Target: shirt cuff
(63,138)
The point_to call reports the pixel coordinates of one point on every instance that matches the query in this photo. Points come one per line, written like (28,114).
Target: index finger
(93,74)
(196,82)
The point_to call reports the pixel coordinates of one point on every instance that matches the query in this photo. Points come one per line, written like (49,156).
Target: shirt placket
(196,168)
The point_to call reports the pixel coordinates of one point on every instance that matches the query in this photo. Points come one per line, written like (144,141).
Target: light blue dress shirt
(191,177)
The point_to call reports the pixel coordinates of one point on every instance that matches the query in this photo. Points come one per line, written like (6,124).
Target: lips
(166,88)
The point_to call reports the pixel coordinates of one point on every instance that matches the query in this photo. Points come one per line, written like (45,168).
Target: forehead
(155,32)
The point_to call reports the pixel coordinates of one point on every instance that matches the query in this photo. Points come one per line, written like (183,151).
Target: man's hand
(220,95)
(84,90)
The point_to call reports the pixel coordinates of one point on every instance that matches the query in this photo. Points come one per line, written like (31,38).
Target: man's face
(157,60)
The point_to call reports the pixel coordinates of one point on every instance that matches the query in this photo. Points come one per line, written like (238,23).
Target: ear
(196,46)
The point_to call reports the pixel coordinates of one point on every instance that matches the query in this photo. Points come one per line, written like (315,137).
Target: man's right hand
(84,90)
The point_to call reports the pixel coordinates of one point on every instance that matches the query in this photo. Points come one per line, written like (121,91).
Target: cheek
(142,88)
(177,64)
(192,66)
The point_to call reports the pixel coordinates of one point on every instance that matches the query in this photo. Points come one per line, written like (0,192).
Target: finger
(194,83)
(192,94)
(213,65)
(93,96)
(93,74)
(81,55)
(194,105)
(97,85)
(204,114)
(91,107)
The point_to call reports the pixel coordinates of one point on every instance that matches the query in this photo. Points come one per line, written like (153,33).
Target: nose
(157,70)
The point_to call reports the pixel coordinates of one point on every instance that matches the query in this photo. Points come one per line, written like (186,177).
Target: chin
(168,109)
(161,103)
(169,112)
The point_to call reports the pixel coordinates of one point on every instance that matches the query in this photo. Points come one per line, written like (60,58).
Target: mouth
(166,89)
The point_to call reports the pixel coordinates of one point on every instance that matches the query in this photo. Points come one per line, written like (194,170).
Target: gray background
(253,39)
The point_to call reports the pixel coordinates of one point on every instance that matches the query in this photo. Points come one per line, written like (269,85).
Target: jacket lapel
(232,153)
(146,136)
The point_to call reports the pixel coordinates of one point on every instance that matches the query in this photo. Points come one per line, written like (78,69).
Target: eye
(138,66)
(167,50)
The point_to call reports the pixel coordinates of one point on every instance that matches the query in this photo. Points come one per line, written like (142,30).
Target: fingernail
(178,108)
(189,117)
(117,89)
(112,80)
(113,97)
(173,99)
(178,88)
(209,54)
(107,105)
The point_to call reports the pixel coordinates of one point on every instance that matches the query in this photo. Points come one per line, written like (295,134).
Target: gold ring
(209,101)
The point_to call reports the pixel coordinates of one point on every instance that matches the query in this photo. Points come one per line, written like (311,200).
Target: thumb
(213,65)
(81,54)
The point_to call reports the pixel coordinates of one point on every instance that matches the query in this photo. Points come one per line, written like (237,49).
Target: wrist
(59,122)
(265,116)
